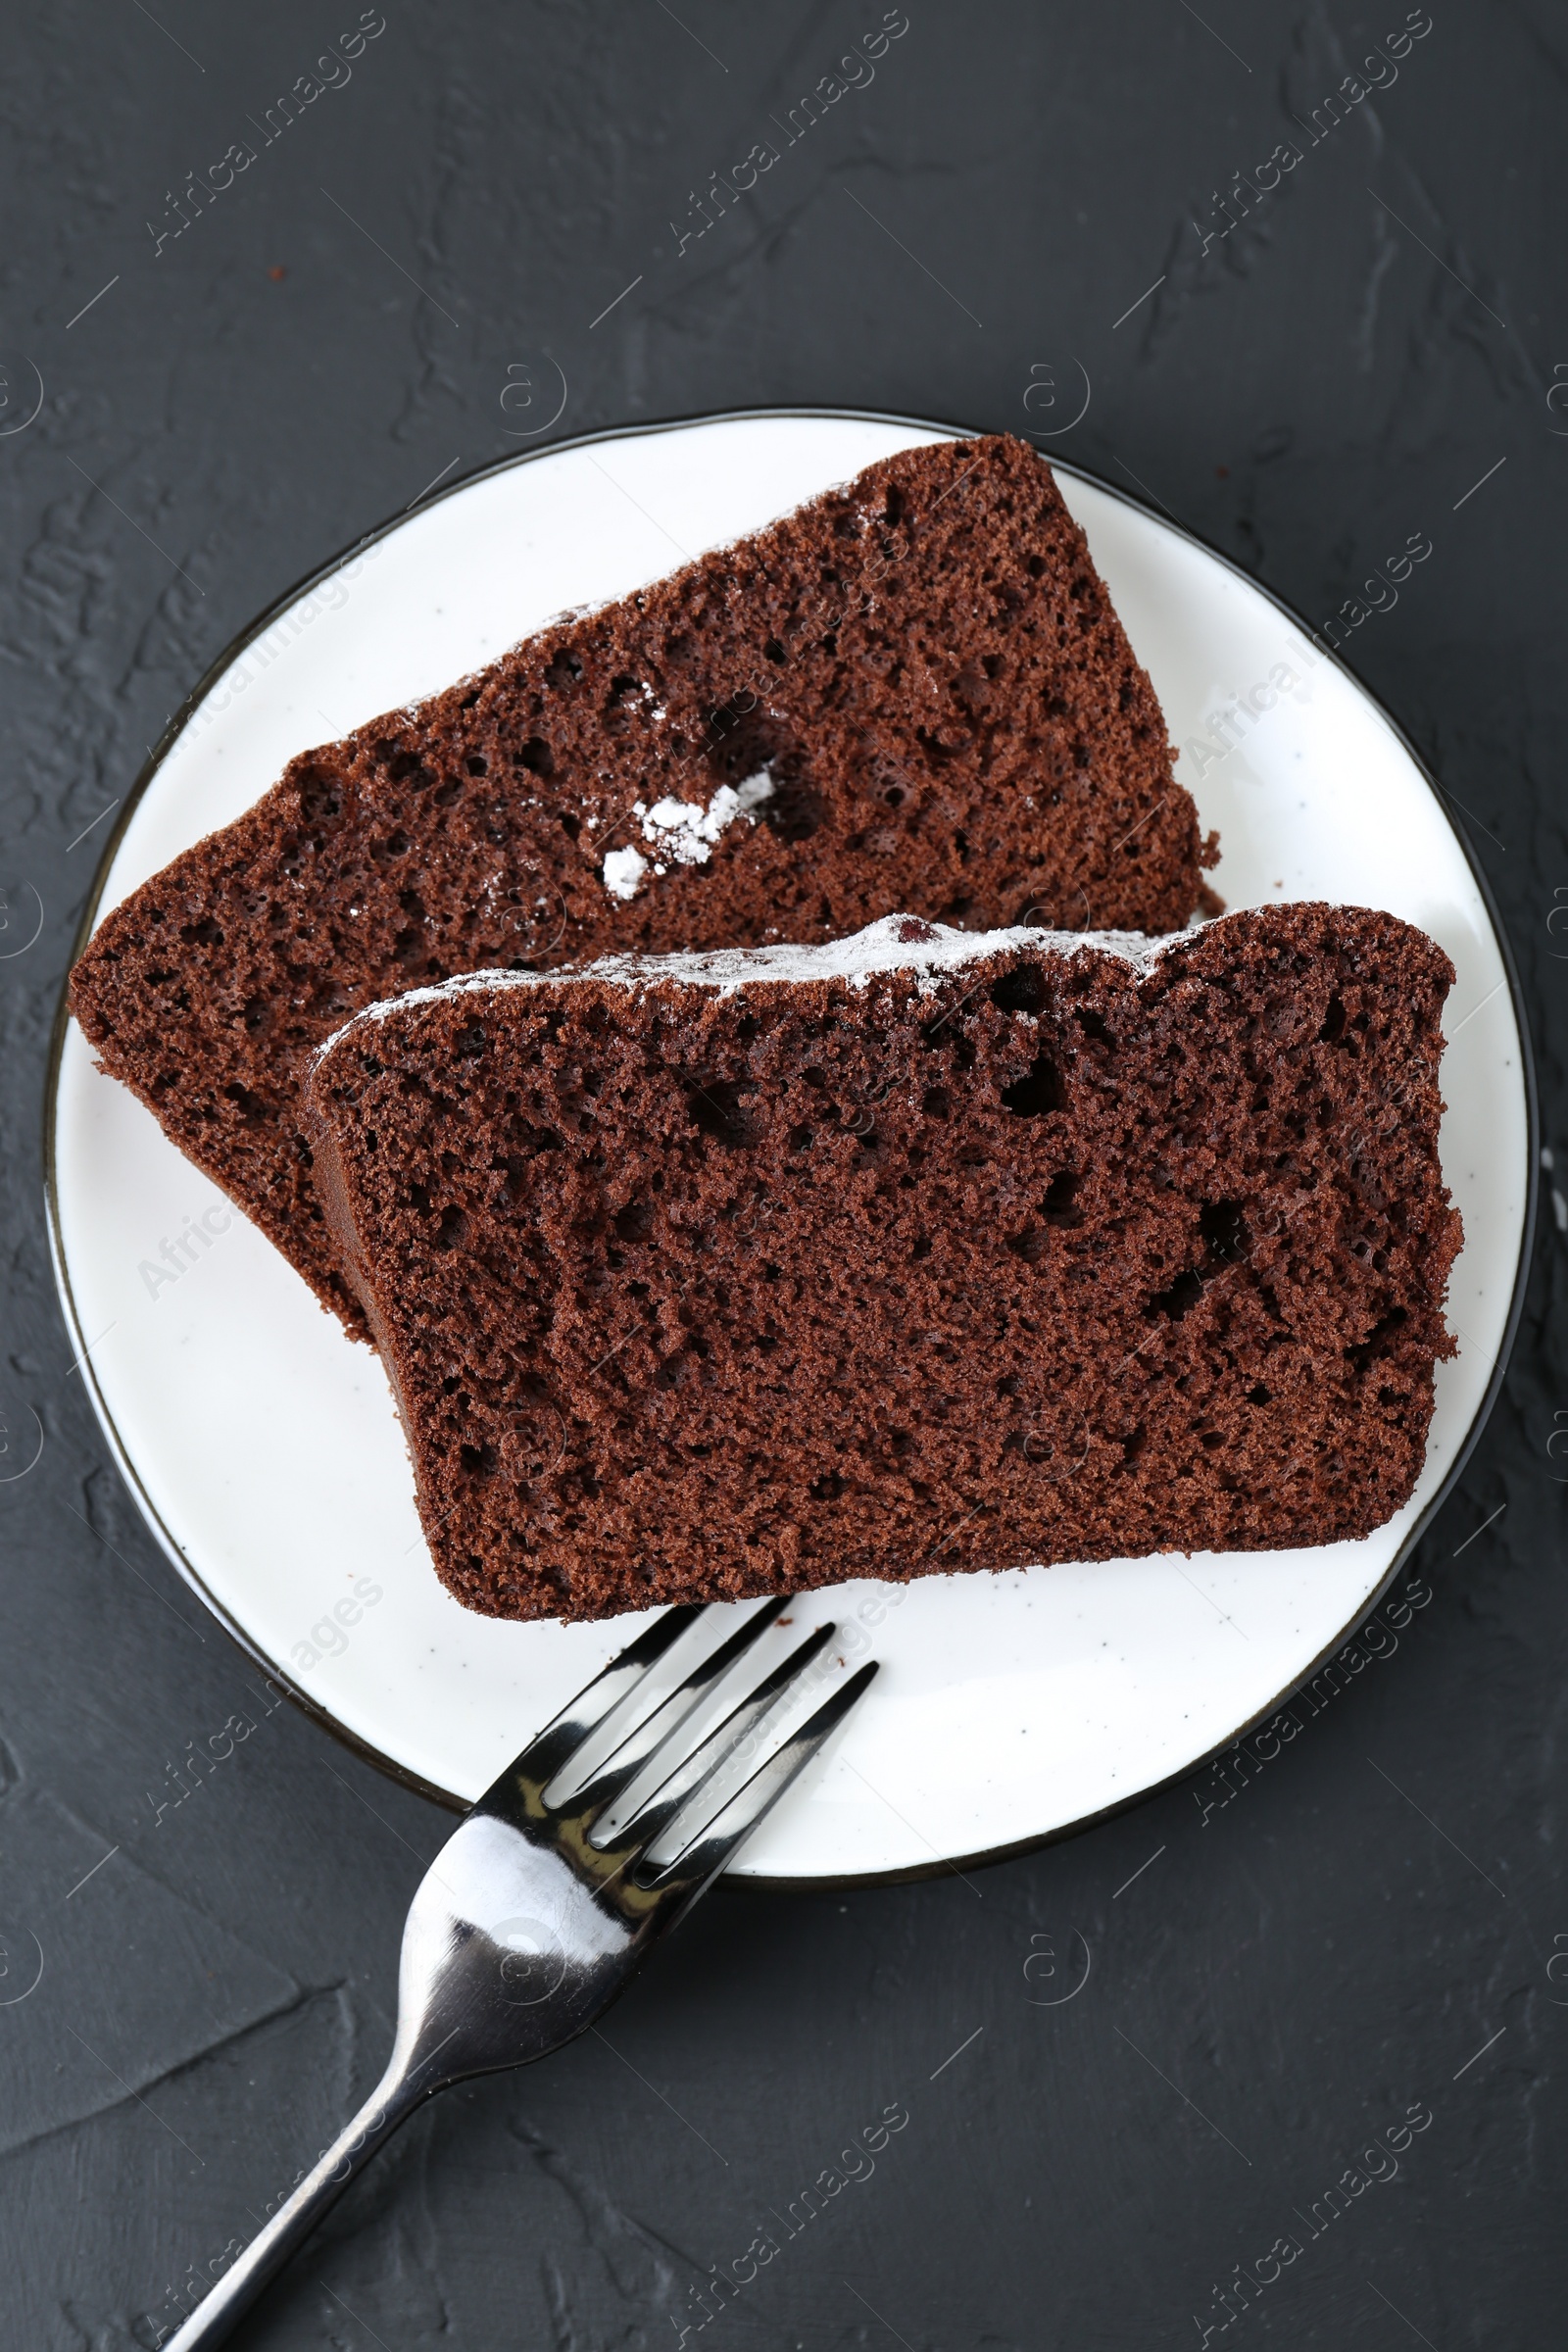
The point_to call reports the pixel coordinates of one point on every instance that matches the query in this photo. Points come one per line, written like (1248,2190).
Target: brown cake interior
(703,1291)
(925,670)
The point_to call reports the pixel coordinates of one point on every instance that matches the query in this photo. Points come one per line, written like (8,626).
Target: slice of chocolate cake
(705,1276)
(912,693)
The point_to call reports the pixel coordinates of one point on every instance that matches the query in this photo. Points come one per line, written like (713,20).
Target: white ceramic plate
(263,1444)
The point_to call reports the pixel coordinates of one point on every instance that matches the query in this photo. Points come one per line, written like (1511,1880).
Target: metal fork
(525,1926)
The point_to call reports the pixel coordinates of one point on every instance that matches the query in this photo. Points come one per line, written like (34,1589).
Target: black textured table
(1309,2093)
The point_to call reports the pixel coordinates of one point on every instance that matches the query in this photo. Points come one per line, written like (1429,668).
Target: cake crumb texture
(1017,1252)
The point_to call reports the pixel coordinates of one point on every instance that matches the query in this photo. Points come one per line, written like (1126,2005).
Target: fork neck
(410,2078)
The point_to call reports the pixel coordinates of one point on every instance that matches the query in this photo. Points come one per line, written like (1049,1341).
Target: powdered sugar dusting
(623,870)
(896,943)
(685,832)
(885,946)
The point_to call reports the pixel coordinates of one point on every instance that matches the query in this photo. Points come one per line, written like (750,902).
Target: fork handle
(400,2089)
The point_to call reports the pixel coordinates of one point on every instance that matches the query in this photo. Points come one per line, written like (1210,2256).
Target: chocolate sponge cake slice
(912,693)
(707,1276)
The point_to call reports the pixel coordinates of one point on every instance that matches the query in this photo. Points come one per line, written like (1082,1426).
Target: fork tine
(661,1804)
(700,1862)
(563,1735)
(643,1743)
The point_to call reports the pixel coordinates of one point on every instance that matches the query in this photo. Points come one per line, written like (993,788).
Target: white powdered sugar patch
(623,870)
(683,832)
(896,943)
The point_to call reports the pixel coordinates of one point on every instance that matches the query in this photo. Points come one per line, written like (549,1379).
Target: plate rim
(175,726)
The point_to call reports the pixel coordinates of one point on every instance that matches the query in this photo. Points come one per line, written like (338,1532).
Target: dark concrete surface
(1377,1920)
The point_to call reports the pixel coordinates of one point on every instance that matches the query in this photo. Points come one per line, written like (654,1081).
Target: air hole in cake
(252,1107)
(1378,1340)
(477,765)
(1094,1027)
(1057,1452)
(1223,1226)
(537,757)
(1184,1291)
(774,651)
(1031,1245)
(479,1460)
(564,672)
(634,1222)
(971,688)
(202,934)
(826,1489)
(1038,1091)
(1333,1028)
(1257,1393)
(936,1103)
(1036,568)
(1022,990)
(1060,1204)
(715,1109)
(450,1229)
(320,796)
(796,809)
(472,1040)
